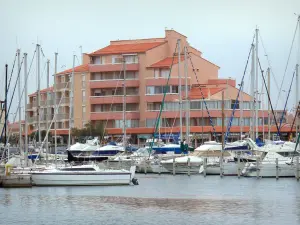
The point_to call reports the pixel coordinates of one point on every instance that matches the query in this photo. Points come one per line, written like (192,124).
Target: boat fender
(8,169)
(135,181)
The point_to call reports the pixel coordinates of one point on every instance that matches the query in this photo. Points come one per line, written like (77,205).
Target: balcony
(46,103)
(152,81)
(63,101)
(114,115)
(113,83)
(112,67)
(159,98)
(61,86)
(32,119)
(29,107)
(114,99)
(62,116)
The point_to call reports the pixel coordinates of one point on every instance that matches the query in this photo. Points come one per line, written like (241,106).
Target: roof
(127,48)
(196,94)
(49,89)
(77,69)
(166,62)
(15,125)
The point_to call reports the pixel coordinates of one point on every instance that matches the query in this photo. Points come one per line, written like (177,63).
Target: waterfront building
(98,92)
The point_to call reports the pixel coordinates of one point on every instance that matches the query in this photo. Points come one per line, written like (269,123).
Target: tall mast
(25,114)
(47,110)
(187,105)
(180,92)
(71,113)
(19,93)
(55,108)
(256,84)
(262,110)
(38,96)
(297,77)
(297,93)
(124,103)
(5,106)
(241,108)
(269,108)
(252,105)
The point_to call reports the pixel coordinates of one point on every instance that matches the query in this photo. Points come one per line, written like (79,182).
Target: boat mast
(124,103)
(180,92)
(47,110)
(5,105)
(256,84)
(242,111)
(187,105)
(269,110)
(252,105)
(71,113)
(20,112)
(55,109)
(25,113)
(297,94)
(297,77)
(38,97)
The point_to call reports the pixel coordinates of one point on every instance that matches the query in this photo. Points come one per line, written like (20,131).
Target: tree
(90,129)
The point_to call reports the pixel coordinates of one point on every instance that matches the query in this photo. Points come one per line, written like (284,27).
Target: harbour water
(159,199)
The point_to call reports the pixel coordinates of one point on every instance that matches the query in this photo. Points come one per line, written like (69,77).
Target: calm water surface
(164,199)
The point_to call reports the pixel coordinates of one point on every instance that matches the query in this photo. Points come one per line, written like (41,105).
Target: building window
(156,73)
(129,123)
(152,90)
(131,59)
(83,95)
(98,60)
(117,59)
(83,80)
(164,73)
(150,122)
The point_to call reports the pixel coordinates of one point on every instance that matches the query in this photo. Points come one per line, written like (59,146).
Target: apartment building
(99,96)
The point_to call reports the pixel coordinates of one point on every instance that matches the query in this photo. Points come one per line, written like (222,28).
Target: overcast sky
(221,29)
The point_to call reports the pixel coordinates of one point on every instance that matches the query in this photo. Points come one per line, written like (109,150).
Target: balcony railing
(62,116)
(63,101)
(59,86)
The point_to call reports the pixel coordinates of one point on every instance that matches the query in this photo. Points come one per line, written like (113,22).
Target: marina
(126,120)
(182,199)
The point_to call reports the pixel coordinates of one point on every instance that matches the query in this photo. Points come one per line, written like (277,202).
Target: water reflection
(243,202)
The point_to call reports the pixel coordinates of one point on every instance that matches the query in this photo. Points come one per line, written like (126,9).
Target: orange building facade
(98,91)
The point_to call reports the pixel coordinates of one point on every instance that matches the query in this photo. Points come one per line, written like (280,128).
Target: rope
(203,98)
(13,94)
(262,73)
(237,97)
(163,101)
(287,98)
(111,105)
(269,64)
(287,64)
(12,70)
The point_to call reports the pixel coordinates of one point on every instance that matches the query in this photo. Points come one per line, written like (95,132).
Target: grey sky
(221,29)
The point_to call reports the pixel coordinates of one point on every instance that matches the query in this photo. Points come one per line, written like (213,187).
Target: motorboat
(268,166)
(85,175)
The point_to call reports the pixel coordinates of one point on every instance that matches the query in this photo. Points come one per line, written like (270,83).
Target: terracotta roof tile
(127,48)
(77,69)
(196,94)
(50,89)
(166,63)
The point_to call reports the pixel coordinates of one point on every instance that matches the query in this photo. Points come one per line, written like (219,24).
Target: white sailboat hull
(269,170)
(83,179)
(229,169)
(183,167)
